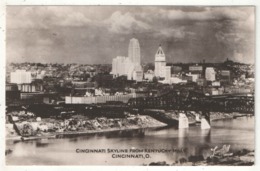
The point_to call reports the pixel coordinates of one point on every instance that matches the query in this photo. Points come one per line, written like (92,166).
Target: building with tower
(163,71)
(159,63)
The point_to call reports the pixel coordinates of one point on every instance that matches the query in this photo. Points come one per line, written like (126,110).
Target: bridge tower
(205,120)
(183,121)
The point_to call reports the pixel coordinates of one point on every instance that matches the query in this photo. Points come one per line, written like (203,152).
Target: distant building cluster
(102,83)
(25,81)
(129,66)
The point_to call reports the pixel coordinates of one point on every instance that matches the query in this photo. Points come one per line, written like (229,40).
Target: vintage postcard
(122,85)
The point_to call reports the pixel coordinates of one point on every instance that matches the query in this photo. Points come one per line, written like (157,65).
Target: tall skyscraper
(160,63)
(134,51)
(131,65)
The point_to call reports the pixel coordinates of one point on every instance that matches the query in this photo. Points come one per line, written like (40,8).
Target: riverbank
(194,142)
(31,127)
(89,132)
(79,125)
(242,157)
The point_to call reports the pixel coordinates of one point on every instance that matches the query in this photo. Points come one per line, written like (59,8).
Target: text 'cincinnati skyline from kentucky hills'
(97,34)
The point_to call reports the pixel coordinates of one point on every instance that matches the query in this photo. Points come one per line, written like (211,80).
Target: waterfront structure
(210,74)
(99,99)
(21,77)
(129,66)
(159,63)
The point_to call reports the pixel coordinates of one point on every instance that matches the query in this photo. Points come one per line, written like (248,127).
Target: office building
(21,77)
(166,72)
(196,69)
(120,66)
(210,74)
(129,66)
(159,63)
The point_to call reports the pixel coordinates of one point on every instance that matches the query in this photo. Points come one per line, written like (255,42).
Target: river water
(239,133)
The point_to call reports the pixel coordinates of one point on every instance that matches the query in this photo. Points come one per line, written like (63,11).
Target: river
(239,133)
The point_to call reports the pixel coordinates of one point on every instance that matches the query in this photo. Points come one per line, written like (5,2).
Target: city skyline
(95,35)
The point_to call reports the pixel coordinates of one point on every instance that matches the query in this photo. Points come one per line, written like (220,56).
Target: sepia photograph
(119,85)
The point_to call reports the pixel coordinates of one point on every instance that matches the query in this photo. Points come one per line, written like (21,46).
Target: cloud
(188,33)
(45,17)
(126,23)
(74,19)
(177,33)
(248,24)
(209,13)
(44,42)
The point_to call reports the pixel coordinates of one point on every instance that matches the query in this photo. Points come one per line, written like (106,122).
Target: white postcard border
(124,2)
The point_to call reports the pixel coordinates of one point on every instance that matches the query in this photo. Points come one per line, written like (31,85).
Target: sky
(97,34)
